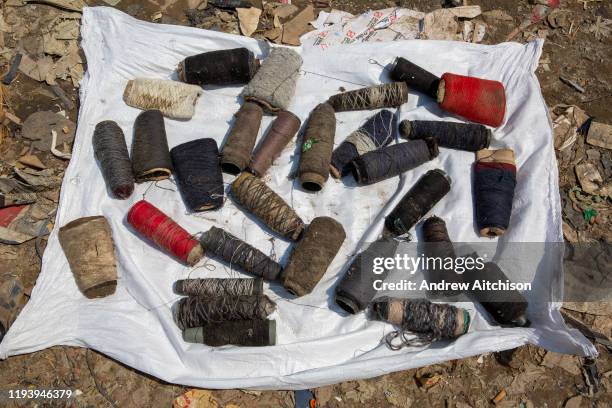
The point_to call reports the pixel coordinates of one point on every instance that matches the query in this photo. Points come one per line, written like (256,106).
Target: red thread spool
(476,99)
(164,232)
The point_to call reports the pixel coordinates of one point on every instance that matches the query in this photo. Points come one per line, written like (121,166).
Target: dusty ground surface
(577,47)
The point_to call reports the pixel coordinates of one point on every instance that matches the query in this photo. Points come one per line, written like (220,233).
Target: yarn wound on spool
(238,254)
(507,307)
(160,229)
(112,154)
(150,154)
(273,85)
(391,161)
(259,199)
(221,67)
(88,245)
(312,256)
(173,99)
(373,97)
(198,174)
(247,333)
(317,147)
(438,246)
(453,135)
(476,99)
(375,133)
(426,321)
(241,140)
(198,311)
(426,192)
(212,287)
(283,129)
(415,77)
(494,184)
(356,289)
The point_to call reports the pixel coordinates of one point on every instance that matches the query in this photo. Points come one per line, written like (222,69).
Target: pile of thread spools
(235,311)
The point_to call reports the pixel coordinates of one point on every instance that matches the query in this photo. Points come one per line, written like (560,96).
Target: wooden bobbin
(88,245)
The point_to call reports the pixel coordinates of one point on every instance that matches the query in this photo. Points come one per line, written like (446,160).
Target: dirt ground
(577,47)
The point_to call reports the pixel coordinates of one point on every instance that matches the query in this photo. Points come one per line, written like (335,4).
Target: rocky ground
(575,77)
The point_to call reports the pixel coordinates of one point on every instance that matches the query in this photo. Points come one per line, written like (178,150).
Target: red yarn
(161,229)
(476,99)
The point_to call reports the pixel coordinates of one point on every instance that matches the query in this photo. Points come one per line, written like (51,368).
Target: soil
(529,375)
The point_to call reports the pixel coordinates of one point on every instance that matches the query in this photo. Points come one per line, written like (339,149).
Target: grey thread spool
(195,311)
(274,83)
(246,333)
(317,148)
(111,152)
(391,161)
(373,97)
(237,150)
(438,245)
(421,198)
(150,154)
(453,135)
(237,253)
(212,287)
(428,321)
(356,289)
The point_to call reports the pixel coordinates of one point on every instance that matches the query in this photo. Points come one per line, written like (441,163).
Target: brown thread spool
(259,199)
(317,148)
(151,159)
(312,255)
(283,129)
(241,140)
(373,97)
(88,245)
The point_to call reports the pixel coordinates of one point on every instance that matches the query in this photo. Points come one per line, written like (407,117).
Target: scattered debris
(38,126)
(566,362)
(339,27)
(426,378)
(601,28)
(574,402)
(499,397)
(12,72)
(297,26)
(600,135)
(32,161)
(249,20)
(38,180)
(589,177)
(195,399)
(572,84)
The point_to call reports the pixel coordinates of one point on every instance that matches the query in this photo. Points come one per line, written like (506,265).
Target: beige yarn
(175,100)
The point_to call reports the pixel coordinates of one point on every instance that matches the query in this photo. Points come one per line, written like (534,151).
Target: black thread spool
(212,287)
(198,174)
(415,77)
(222,67)
(237,253)
(375,133)
(428,321)
(356,289)
(246,333)
(393,160)
(111,152)
(507,307)
(150,154)
(439,247)
(421,198)
(453,135)
(494,184)
(195,311)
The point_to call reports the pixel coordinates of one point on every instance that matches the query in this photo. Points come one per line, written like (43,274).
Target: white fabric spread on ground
(317,343)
